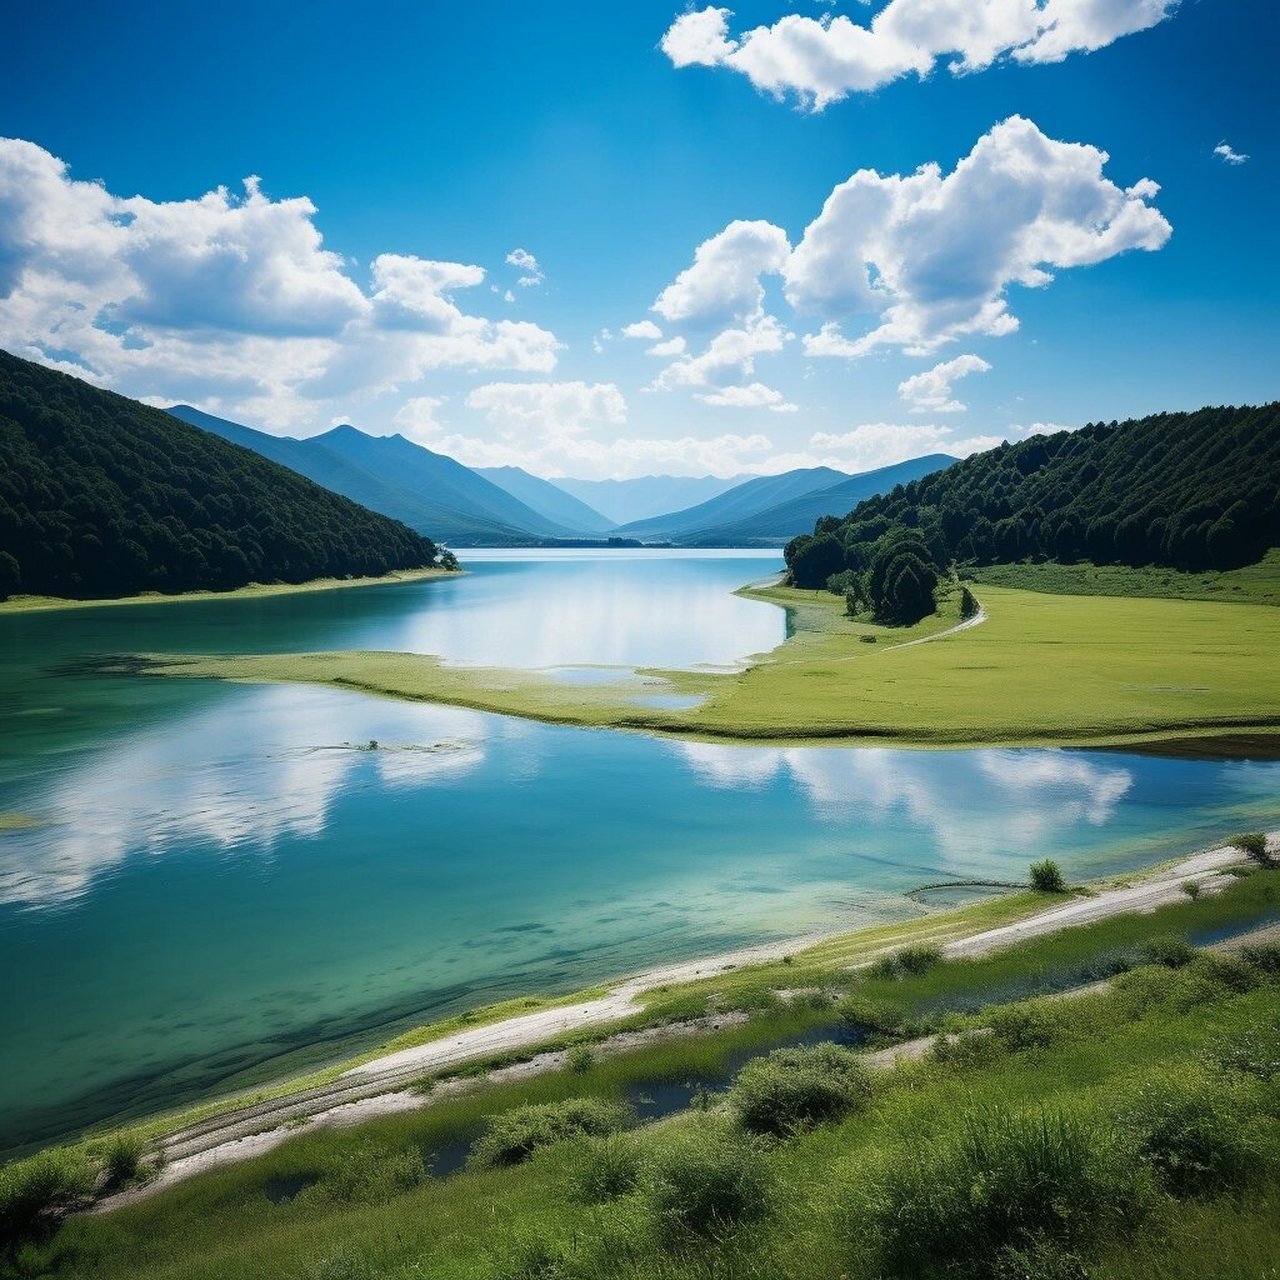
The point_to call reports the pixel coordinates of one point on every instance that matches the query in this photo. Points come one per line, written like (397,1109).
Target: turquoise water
(224,882)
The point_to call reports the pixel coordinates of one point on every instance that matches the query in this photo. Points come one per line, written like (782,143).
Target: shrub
(1254,1052)
(1046,877)
(868,1016)
(122,1159)
(1254,843)
(34,1193)
(910,961)
(1191,888)
(1193,1133)
(604,1169)
(1169,950)
(369,1173)
(515,1135)
(579,1059)
(1264,958)
(793,1089)
(707,1180)
(1025,1026)
(1007,1182)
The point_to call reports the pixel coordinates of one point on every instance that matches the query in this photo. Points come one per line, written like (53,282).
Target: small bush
(1254,843)
(872,1017)
(1231,973)
(1169,950)
(604,1169)
(579,1059)
(34,1193)
(1042,1260)
(1254,1052)
(1047,877)
(1025,1026)
(122,1159)
(1263,958)
(1194,1134)
(1008,1182)
(793,1089)
(369,1173)
(707,1180)
(910,961)
(967,1050)
(515,1135)
(1191,888)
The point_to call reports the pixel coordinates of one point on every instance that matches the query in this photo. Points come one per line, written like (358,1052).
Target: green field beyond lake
(206,883)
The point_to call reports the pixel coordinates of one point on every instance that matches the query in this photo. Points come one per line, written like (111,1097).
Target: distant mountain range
(506,506)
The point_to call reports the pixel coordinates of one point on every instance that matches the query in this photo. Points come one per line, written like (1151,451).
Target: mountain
(627,500)
(1184,490)
(798,515)
(547,499)
(101,496)
(734,505)
(426,490)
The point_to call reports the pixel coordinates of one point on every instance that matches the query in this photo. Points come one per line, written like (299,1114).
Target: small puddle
(282,1189)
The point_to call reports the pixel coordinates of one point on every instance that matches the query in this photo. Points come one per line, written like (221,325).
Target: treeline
(101,496)
(1189,491)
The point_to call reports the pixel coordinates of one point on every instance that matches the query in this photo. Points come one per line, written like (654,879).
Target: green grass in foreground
(1052,669)
(1152,1110)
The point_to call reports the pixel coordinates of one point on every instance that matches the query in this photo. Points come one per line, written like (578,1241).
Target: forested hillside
(101,496)
(1185,490)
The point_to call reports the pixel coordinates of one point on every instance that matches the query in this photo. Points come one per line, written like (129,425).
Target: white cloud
(230,301)
(563,408)
(932,255)
(672,347)
(528,264)
(822,60)
(1228,155)
(418,417)
(723,284)
(879,444)
(753,396)
(642,329)
(730,356)
(930,392)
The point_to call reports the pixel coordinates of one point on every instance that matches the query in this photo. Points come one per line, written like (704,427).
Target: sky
(616,240)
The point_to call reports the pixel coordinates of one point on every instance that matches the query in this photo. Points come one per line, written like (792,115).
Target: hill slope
(101,496)
(1185,490)
(547,499)
(644,496)
(426,490)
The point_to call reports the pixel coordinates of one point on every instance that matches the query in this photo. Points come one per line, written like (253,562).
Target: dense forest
(101,496)
(1184,490)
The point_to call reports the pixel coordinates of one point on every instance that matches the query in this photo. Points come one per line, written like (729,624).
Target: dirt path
(380,1087)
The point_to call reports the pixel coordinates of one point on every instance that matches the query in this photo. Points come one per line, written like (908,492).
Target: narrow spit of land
(1040,670)
(380,1084)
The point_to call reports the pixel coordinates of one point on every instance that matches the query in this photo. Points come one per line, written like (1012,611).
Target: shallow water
(222,876)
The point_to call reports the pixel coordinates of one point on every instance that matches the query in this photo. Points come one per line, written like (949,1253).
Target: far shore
(254,590)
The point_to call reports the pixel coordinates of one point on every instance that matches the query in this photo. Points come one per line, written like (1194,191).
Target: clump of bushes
(122,1160)
(1169,950)
(1263,958)
(605,1169)
(908,962)
(1254,843)
(1194,1133)
(864,1015)
(515,1135)
(794,1089)
(1047,877)
(368,1173)
(1255,1052)
(35,1193)
(579,1059)
(1009,1183)
(707,1180)
(1020,1027)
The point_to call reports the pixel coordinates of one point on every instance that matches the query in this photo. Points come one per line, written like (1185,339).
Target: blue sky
(405,151)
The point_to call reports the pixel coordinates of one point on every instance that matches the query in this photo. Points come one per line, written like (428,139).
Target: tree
(816,560)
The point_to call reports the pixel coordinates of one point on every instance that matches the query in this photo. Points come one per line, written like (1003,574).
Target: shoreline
(24,604)
(381,1082)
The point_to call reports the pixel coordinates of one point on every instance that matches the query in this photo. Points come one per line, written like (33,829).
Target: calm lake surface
(204,883)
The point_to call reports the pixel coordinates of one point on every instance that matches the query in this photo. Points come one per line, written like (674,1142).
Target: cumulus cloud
(232,300)
(568,408)
(729,357)
(1228,155)
(930,392)
(753,396)
(671,347)
(528,264)
(822,60)
(933,255)
(723,284)
(642,329)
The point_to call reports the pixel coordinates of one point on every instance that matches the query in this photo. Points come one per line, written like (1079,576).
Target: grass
(1124,670)
(989,1141)
(42,604)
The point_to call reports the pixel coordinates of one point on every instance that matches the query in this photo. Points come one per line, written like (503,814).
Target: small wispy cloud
(524,261)
(1229,156)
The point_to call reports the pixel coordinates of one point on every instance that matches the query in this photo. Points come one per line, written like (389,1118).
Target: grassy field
(41,604)
(1151,1110)
(1043,669)
(1254,584)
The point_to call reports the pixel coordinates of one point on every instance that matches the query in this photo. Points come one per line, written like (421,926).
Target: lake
(206,884)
